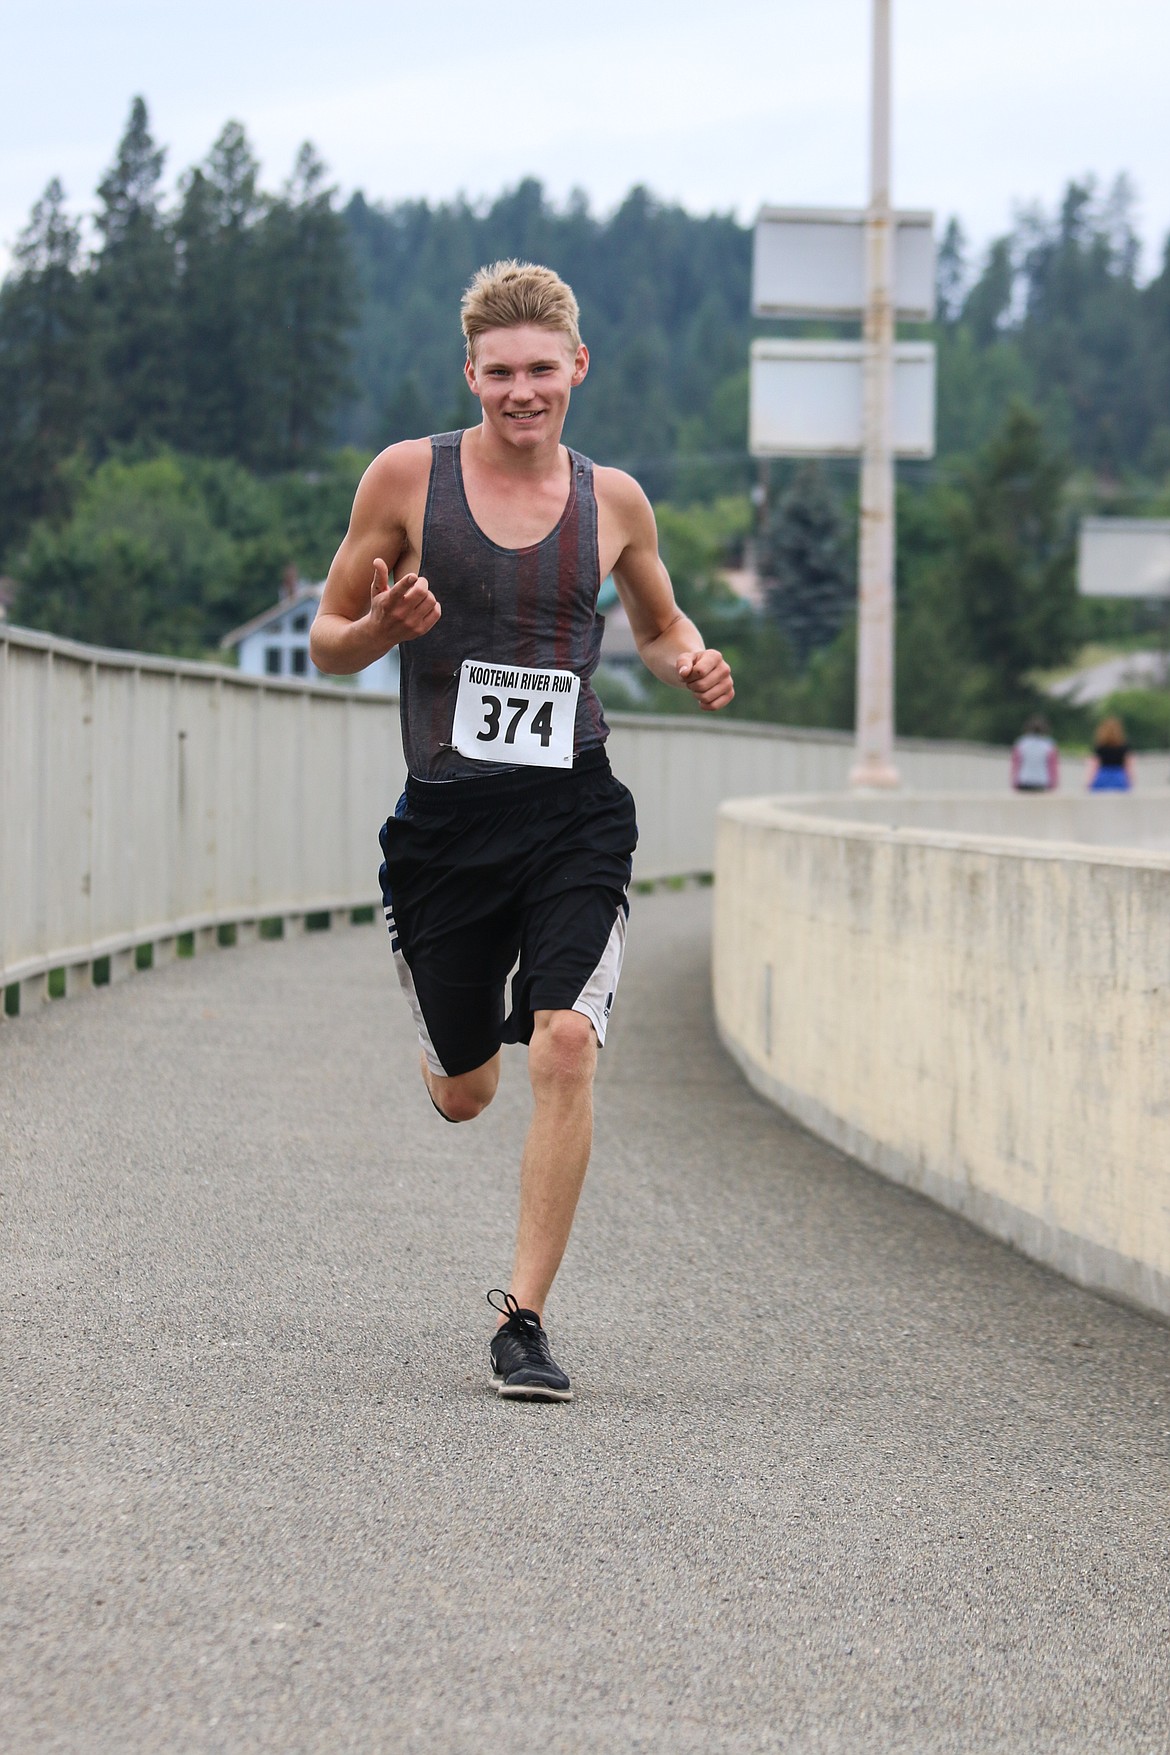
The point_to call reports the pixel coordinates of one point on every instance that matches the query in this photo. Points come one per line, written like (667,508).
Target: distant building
(276,643)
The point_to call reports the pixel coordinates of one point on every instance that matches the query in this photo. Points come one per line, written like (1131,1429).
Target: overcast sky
(719,105)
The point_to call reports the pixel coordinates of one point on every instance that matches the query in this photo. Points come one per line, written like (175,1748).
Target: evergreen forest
(192,383)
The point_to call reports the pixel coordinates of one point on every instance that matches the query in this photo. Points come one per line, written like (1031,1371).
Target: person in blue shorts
(1111,763)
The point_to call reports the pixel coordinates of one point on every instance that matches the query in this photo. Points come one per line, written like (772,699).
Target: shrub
(1145,713)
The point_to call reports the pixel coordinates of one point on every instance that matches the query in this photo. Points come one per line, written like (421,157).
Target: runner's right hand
(403,610)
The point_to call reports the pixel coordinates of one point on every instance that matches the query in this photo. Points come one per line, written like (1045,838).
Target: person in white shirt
(1035,758)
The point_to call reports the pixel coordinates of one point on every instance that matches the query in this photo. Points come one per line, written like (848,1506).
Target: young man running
(513,838)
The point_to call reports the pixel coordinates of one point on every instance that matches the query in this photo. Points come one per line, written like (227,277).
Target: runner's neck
(512,508)
(492,456)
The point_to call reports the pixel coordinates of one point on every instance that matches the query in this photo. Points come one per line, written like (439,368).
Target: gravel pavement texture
(841,1475)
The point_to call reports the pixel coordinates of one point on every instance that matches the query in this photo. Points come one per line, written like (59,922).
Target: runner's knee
(466,1095)
(563,1047)
(463,1105)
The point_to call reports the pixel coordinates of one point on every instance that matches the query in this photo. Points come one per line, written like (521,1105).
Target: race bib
(505,713)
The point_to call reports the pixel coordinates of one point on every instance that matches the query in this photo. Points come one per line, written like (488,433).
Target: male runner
(513,838)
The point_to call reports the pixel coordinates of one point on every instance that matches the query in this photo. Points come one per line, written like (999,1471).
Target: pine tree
(134,292)
(988,304)
(1014,567)
(1081,327)
(220,303)
(803,559)
(951,274)
(304,270)
(405,416)
(1156,333)
(46,381)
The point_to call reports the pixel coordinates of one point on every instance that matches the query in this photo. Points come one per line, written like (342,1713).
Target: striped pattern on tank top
(534,607)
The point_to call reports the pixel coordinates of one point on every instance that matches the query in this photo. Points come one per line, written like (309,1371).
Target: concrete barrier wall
(681,768)
(1101,819)
(984,1020)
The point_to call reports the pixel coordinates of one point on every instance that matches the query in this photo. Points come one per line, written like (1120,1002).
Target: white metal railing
(142,797)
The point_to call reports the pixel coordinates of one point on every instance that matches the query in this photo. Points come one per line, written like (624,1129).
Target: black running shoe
(523,1369)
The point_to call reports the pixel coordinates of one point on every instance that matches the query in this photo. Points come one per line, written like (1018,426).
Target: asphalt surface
(842,1474)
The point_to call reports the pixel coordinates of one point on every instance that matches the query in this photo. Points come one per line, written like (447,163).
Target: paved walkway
(843,1475)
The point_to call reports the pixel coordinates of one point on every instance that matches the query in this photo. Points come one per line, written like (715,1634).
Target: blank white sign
(810,262)
(1124,557)
(806,399)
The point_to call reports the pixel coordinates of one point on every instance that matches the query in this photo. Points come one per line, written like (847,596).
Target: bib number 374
(506,713)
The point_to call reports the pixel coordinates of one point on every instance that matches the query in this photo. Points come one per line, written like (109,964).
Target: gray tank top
(535,607)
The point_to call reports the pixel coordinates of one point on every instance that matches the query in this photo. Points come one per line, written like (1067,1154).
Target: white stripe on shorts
(596,997)
(406,980)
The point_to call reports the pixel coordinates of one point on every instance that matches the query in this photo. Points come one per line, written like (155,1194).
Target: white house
(276,643)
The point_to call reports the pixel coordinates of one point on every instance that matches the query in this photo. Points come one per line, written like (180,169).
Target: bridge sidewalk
(842,1474)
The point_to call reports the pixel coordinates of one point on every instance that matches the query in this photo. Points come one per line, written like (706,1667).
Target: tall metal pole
(875,610)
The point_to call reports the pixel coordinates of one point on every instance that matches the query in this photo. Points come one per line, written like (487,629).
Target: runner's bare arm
(362,614)
(669,644)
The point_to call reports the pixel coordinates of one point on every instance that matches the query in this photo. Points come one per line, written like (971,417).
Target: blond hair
(511,293)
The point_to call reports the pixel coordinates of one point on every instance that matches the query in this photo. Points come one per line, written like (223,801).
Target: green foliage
(1145,713)
(221,329)
(312,508)
(985,596)
(218,303)
(303,362)
(804,559)
(170,553)
(1056,317)
(697,542)
(951,273)
(987,310)
(976,384)
(1014,567)
(45,366)
(168,405)
(138,549)
(935,686)
(769,684)
(664,308)
(133,287)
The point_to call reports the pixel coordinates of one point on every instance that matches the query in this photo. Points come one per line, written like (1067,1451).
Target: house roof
(304,593)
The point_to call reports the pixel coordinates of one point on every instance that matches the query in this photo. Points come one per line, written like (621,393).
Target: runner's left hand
(708,676)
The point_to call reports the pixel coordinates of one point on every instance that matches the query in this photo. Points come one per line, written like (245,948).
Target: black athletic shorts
(532,864)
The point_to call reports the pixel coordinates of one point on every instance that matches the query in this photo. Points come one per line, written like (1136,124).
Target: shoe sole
(529,1392)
